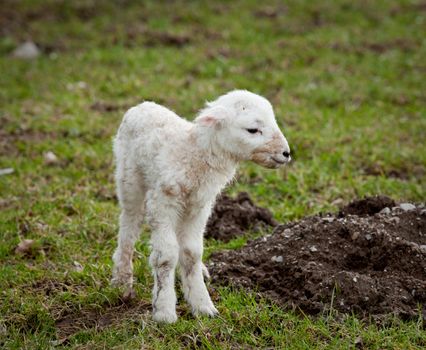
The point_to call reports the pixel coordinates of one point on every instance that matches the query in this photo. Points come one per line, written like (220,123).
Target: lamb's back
(149,117)
(150,134)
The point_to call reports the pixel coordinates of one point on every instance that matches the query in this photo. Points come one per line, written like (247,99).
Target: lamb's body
(178,169)
(171,170)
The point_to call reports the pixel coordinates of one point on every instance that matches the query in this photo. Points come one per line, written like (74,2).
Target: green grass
(347,82)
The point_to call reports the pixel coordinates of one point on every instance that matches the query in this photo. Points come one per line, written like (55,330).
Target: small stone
(287,233)
(395,219)
(328,219)
(24,246)
(407,206)
(77,266)
(355,235)
(50,158)
(79,85)
(423,248)
(278,259)
(385,211)
(6,171)
(337,201)
(414,245)
(27,51)
(313,249)
(355,279)
(368,237)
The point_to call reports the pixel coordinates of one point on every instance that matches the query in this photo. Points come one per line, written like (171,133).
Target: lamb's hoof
(128,295)
(164,316)
(122,280)
(208,310)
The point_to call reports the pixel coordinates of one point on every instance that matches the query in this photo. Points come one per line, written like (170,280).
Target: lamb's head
(243,125)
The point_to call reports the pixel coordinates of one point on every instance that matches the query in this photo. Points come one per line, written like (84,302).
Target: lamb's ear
(212,117)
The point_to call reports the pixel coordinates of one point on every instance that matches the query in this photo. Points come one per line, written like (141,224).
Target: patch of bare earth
(233,217)
(370,259)
(403,172)
(90,318)
(21,141)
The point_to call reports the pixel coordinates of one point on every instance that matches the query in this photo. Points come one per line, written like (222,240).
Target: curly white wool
(171,170)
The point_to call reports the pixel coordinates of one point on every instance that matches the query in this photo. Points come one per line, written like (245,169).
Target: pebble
(407,206)
(368,237)
(27,51)
(423,248)
(24,246)
(385,211)
(77,266)
(6,171)
(287,233)
(278,259)
(50,158)
(328,219)
(313,249)
(395,219)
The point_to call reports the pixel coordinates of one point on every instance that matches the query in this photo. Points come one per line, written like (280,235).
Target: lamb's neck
(215,156)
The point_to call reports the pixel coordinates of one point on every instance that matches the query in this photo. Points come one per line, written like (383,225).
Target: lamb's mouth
(279,161)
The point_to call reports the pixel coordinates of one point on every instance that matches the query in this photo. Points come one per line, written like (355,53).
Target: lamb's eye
(253,131)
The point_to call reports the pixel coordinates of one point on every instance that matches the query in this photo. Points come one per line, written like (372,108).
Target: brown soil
(403,172)
(362,260)
(233,217)
(100,318)
(367,206)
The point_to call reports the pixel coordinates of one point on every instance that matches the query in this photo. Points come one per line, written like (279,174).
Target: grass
(347,83)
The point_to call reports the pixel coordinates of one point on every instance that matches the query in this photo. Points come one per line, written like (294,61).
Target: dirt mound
(233,217)
(367,206)
(367,264)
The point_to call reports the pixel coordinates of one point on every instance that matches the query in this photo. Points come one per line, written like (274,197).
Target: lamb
(170,170)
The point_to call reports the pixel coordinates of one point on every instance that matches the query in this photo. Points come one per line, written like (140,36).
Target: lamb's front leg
(163,260)
(190,260)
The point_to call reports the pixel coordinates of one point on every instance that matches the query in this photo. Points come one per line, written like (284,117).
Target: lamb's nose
(286,154)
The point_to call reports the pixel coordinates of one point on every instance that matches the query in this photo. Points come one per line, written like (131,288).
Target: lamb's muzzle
(170,171)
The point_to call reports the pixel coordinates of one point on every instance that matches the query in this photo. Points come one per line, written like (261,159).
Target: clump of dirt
(233,217)
(367,206)
(372,263)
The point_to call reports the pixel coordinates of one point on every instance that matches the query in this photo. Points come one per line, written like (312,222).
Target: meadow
(347,81)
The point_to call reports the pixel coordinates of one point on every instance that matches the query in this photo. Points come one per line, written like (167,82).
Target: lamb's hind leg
(190,260)
(131,197)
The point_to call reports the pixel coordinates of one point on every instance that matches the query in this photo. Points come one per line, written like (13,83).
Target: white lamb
(171,171)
